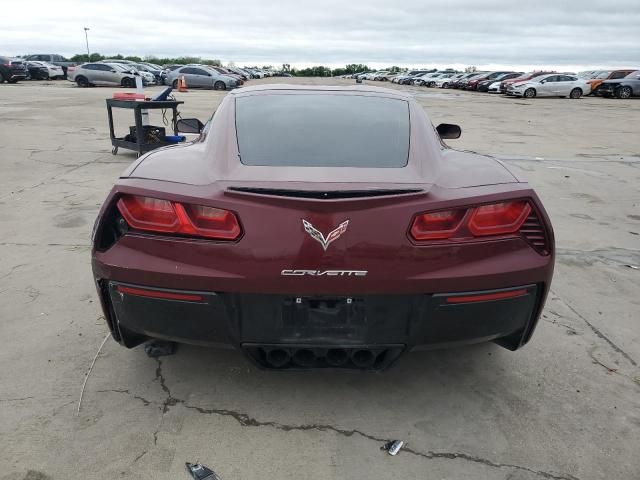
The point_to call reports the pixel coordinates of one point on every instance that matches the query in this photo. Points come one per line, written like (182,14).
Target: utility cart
(142,138)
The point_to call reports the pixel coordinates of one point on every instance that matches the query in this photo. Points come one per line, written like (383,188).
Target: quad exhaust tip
(305,357)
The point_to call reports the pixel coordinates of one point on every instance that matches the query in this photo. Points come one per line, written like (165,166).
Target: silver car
(89,74)
(200,76)
(551,85)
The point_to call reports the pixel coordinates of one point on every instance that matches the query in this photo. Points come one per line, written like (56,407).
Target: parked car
(12,70)
(626,87)
(472,84)
(155,71)
(54,72)
(201,76)
(460,80)
(441,80)
(408,80)
(607,75)
(273,266)
(37,71)
(98,73)
(423,80)
(53,59)
(228,73)
(504,85)
(553,85)
(462,83)
(483,85)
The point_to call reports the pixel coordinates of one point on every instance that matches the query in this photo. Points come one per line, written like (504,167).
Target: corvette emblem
(320,238)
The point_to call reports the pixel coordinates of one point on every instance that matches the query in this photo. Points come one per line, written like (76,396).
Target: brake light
(503,218)
(436,225)
(164,216)
(498,218)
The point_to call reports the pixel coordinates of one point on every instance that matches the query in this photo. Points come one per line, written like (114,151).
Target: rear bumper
(249,321)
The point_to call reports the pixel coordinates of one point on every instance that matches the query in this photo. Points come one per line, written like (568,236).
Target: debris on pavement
(86,377)
(393,446)
(160,348)
(200,472)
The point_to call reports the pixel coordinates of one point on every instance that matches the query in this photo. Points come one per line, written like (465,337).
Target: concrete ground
(567,406)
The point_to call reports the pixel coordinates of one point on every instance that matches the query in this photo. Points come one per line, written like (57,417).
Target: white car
(427,79)
(551,85)
(445,79)
(55,71)
(494,87)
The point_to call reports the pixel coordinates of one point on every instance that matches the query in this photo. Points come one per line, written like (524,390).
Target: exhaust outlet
(304,357)
(363,358)
(336,357)
(278,357)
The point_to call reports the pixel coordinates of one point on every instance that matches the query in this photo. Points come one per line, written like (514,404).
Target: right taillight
(515,217)
(165,216)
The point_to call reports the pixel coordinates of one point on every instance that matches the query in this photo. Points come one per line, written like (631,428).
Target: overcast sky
(521,33)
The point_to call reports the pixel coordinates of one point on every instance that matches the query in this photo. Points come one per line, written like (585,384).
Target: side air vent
(323,195)
(533,231)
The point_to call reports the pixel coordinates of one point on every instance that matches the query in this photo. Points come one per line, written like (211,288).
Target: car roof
(284,88)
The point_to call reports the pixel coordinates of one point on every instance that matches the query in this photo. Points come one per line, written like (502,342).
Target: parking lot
(567,406)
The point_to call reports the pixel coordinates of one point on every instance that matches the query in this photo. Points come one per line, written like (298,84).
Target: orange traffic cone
(182,85)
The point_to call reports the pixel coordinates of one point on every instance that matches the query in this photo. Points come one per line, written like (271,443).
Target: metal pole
(86,37)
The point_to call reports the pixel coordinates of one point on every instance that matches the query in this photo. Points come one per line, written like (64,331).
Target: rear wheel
(1,78)
(175,83)
(445,85)
(127,82)
(624,92)
(575,93)
(82,82)
(219,85)
(530,93)
(432,84)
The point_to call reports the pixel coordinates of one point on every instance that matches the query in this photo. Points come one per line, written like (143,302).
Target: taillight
(498,218)
(495,219)
(164,216)
(436,225)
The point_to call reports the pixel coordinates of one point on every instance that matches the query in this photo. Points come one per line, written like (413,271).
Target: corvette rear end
(321,227)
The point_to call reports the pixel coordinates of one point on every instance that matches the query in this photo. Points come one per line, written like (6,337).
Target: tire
(82,82)
(529,93)
(432,84)
(175,83)
(575,93)
(127,82)
(219,85)
(445,85)
(12,81)
(1,78)
(624,92)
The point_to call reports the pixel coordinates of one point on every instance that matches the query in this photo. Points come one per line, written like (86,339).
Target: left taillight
(165,216)
(495,219)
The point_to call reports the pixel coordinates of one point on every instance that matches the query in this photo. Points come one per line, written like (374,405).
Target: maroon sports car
(321,227)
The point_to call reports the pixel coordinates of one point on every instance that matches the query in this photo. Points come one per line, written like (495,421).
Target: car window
(615,75)
(104,68)
(322,131)
(91,66)
(552,78)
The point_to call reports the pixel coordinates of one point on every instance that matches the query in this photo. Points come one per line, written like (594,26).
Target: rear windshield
(322,131)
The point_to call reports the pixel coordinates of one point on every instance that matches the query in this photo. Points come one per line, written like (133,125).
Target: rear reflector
(143,292)
(486,297)
(164,216)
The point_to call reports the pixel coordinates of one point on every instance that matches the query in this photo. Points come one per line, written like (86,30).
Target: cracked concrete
(564,407)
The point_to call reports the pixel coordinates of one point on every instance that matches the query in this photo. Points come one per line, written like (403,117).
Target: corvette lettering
(324,273)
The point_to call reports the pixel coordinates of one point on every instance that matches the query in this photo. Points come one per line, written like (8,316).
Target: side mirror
(189,125)
(448,130)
